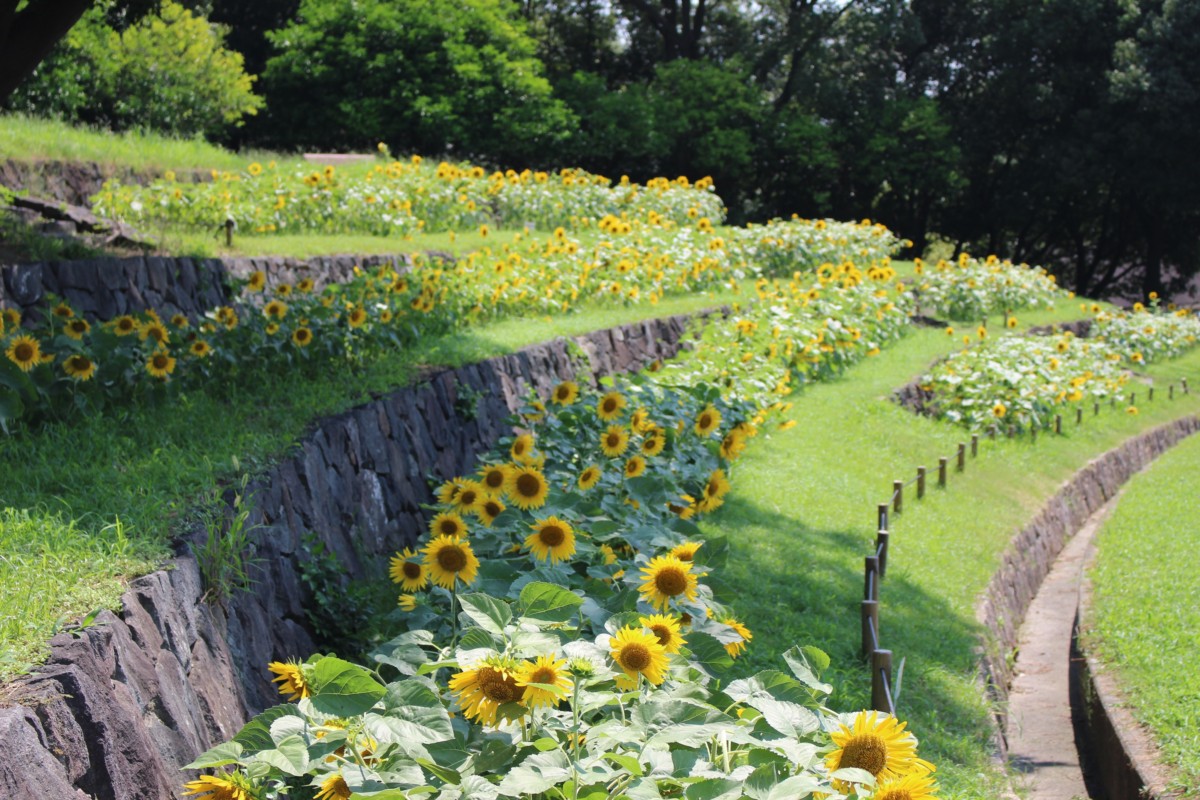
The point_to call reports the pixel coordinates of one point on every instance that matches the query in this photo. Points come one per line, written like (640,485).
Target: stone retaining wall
(75,182)
(103,288)
(120,707)
(1031,553)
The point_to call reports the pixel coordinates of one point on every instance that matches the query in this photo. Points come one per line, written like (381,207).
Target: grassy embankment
(801,518)
(1146,621)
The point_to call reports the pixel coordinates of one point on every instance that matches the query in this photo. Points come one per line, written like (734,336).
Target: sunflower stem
(575,738)
(454,616)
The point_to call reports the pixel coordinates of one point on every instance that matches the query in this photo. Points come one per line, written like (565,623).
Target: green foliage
(423,77)
(225,555)
(340,612)
(169,72)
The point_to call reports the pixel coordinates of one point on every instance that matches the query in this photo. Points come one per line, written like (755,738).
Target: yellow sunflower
(666,577)
(276,309)
(877,743)
(654,442)
(527,487)
(161,364)
(717,485)
(552,539)
(589,477)
(522,448)
(154,330)
(666,628)
(686,551)
(546,671)
(635,467)
(450,560)
(565,393)
(488,510)
(448,523)
(610,406)
(407,602)
(200,348)
(614,441)
(302,337)
(470,495)
(124,325)
(25,352)
(77,328)
(915,786)
(999,410)
(638,652)
(80,368)
(735,649)
(334,788)
(221,787)
(486,689)
(291,679)
(227,317)
(257,281)
(63,311)
(493,477)
(357,317)
(305,285)
(707,421)
(732,445)
(407,571)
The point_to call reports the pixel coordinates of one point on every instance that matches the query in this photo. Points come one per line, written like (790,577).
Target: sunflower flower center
(497,687)
(468,497)
(705,420)
(448,527)
(613,439)
(635,657)
(528,485)
(663,633)
(610,406)
(452,559)
(563,393)
(492,508)
(670,581)
(543,675)
(494,479)
(24,352)
(865,751)
(552,535)
(412,571)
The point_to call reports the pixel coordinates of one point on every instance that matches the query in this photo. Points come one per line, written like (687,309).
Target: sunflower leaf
(548,602)
(343,689)
(219,756)
(486,611)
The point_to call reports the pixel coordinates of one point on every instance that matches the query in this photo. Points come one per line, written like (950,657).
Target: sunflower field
(970,289)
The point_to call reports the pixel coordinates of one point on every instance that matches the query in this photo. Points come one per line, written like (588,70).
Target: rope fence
(885,687)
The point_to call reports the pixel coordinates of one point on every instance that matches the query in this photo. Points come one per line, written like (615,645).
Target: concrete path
(1041,737)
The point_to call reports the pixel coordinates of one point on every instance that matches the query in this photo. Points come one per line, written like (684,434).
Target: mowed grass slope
(98,499)
(801,518)
(1145,624)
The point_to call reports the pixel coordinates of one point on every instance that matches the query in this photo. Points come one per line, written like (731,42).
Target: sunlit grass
(1146,621)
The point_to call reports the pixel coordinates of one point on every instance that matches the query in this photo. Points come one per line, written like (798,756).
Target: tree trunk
(27,36)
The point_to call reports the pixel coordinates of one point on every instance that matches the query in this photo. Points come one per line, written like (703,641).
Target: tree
(28,32)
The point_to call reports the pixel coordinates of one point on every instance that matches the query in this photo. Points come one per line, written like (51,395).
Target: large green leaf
(219,756)
(343,689)
(486,611)
(536,774)
(290,756)
(548,602)
(806,672)
(714,789)
(255,735)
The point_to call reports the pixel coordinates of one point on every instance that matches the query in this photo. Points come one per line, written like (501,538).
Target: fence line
(875,565)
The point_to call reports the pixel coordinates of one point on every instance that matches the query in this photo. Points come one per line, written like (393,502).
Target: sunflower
(717,485)
(639,652)
(565,393)
(732,445)
(305,285)
(302,337)
(614,441)
(407,602)
(654,442)
(154,330)
(257,281)
(276,309)
(470,495)
(79,367)
(493,477)
(407,571)
(291,679)
(484,691)
(449,490)
(686,551)
(160,364)
(284,290)
(522,448)
(707,421)
(227,317)
(666,577)
(179,321)
(735,649)
(357,317)
(77,328)
(272,328)
(610,406)
(878,744)
(999,410)
(334,788)
(527,487)
(63,311)
(200,348)
(546,671)
(914,786)
(552,539)
(635,467)
(448,523)
(666,628)
(450,560)
(589,477)
(220,787)
(124,325)
(25,352)
(488,510)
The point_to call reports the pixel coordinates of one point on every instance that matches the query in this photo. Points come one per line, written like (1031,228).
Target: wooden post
(882,517)
(1183,383)
(1096,409)
(974,445)
(871,578)
(1010,431)
(881,551)
(1112,401)
(992,431)
(229,233)
(942,463)
(1079,415)
(1133,398)
(1033,433)
(881,681)
(1171,392)
(870,626)
(962,457)
(920,482)
(1058,424)
(897,496)
(1150,395)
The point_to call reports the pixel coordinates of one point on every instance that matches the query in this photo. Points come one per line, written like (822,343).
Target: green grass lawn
(25,138)
(100,497)
(304,245)
(801,518)
(1146,621)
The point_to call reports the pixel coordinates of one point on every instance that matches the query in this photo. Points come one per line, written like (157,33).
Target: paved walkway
(1041,737)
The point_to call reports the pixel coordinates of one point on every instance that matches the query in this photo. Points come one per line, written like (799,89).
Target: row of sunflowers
(66,364)
(969,288)
(567,631)
(1025,381)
